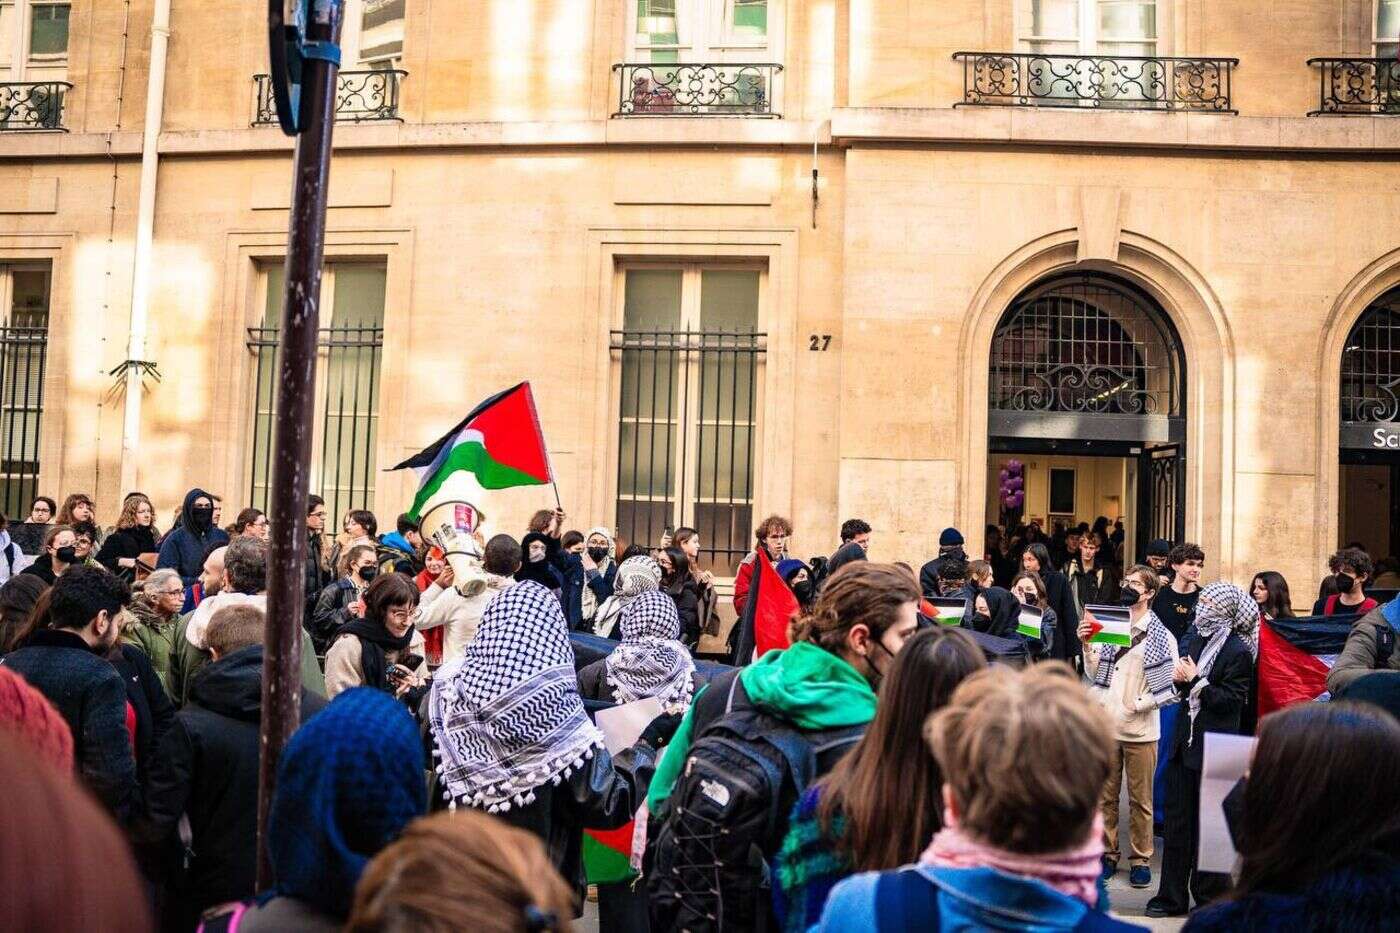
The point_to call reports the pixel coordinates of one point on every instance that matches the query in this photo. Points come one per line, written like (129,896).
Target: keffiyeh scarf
(508,716)
(651,661)
(589,599)
(1158,659)
(1222,610)
(635,576)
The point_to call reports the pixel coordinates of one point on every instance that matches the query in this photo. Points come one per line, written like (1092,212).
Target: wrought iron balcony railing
(1357,85)
(360,96)
(690,89)
(32,105)
(1117,82)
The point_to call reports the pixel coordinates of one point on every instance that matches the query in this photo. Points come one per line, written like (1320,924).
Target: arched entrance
(1369,490)
(1087,388)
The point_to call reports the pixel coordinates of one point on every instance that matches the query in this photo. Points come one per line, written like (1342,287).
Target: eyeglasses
(400,614)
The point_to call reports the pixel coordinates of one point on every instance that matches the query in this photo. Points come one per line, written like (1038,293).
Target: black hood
(232,686)
(848,553)
(187,514)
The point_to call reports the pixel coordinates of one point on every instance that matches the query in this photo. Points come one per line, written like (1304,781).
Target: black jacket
(317,576)
(207,767)
(126,542)
(1057,594)
(154,711)
(687,600)
(928,574)
(1222,699)
(330,613)
(89,694)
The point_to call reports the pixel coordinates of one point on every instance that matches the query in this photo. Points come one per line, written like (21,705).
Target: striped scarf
(1222,610)
(1158,659)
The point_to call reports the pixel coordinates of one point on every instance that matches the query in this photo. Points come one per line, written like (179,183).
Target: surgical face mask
(1345,582)
(1129,597)
(598,554)
(368,573)
(66,555)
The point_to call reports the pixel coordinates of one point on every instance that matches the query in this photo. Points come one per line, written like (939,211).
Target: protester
(1158,552)
(845,822)
(17,599)
(149,711)
(380,649)
(688,540)
(1036,559)
(340,602)
(1370,646)
(537,550)
(135,535)
(155,614)
(600,572)
(1092,580)
(1351,570)
(1270,591)
(1213,677)
(1020,844)
(1317,831)
(57,556)
(399,550)
(188,543)
(455,606)
(358,527)
(1027,587)
(12,558)
(809,702)
(950,547)
(650,661)
(64,659)
(206,770)
(78,507)
(771,542)
(513,739)
(42,511)
(1133,685)
(979,575)
(348,783)
(251,523)
(64,866)
(678,582)
(1175,605)
(635,576)
(994,611)
(954,579)
(319,570)
(798,577)
(85,538)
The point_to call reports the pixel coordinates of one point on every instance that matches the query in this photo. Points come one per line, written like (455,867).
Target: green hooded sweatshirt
(808,685)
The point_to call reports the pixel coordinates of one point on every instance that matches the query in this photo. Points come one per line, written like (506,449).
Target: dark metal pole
(291,444)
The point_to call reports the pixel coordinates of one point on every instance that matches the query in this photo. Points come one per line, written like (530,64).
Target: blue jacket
(921,897)
(184,548)
(570,567)
(1364,895)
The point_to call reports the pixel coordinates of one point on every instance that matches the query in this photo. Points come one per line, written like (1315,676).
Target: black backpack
(708,864)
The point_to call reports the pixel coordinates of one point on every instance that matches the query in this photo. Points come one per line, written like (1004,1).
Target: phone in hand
(412,661)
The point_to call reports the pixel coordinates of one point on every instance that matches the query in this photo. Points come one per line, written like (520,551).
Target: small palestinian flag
(1111,625)
(607,853)
(1028,624)
(948,610)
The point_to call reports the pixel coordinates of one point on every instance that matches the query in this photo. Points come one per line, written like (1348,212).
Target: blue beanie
(951,537)
(789,566)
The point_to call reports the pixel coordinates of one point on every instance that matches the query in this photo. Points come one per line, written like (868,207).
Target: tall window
(691,388)
(1385,40)
(24,332)
(705,30)
(1088,27)
(373,34)
(346,420)
(33,40)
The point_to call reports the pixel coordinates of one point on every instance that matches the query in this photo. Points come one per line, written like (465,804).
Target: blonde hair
(461,870)
(1025,755)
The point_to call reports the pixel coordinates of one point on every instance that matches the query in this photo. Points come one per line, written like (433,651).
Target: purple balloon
(1018,499)
(1014,466)
(1015,483)
(1004,475)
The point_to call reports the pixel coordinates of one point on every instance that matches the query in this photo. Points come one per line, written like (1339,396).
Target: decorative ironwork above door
(1371,378)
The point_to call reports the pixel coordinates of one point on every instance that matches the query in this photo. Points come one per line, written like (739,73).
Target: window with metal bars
(346,421)
(24,339)
(690,359)
(1371,364)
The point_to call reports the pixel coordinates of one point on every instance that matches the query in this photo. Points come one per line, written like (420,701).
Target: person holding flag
(1133,683)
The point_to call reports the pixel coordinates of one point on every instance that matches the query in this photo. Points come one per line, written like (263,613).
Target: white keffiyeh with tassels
(635,575)
(651,661)
(507,717)
(1222,610)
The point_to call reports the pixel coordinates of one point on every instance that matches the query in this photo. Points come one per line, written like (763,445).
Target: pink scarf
(1070,871)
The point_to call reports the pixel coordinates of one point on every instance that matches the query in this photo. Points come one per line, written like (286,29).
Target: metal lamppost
(304,37)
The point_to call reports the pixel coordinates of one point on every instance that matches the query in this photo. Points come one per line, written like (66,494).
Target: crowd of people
(944,747)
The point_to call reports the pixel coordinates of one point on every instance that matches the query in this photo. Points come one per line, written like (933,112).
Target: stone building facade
(824,258)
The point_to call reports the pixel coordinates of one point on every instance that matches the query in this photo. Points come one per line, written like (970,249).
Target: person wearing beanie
(950,547)
(1158,550)
(798,576)
(28,715)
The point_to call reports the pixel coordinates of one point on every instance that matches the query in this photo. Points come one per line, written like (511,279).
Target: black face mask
(66,555)
(202,515)
(1129,597)
(367,573)
(599,554)
(1345,582)
(803,592)
(981,622)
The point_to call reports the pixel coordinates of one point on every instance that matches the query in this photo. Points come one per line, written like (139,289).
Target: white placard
(1224,761)
(623,725)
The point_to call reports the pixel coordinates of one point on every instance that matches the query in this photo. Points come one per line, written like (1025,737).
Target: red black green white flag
(500,443)
(1111,625)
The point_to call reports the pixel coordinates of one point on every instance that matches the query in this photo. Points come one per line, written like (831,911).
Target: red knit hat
(28,714)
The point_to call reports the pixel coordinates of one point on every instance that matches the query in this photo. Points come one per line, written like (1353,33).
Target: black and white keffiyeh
(1222,609)
(1158,658)
(507,717)
(651,661)
(635,575)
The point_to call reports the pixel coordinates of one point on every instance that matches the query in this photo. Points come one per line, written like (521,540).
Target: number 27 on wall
(819,343)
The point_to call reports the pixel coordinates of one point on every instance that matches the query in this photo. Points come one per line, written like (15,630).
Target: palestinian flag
(607,854)
(1295,657)
(500,443)
(947,610)
(1028,624)
(1111,625)
(769,610)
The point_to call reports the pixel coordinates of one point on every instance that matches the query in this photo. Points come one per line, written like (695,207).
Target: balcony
(1029,79)
(360,97)
(1367,86)
(32,105)
(696,90)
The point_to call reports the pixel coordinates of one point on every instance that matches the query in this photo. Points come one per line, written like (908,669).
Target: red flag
(1288,674)
(772,606)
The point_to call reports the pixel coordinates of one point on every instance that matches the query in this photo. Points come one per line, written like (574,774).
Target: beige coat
(1128,700)
(457,614)
(343,669)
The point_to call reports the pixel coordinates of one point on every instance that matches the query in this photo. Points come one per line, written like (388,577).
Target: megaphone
(452,526)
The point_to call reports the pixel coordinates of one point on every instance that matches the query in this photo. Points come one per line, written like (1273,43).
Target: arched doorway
(1369,493)
(1087,388)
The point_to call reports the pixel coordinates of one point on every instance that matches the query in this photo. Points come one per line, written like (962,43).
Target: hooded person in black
(185,548)
(536,561)
(1003,611)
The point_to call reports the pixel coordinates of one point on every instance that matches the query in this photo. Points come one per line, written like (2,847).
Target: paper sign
(1225,759)
(623,725)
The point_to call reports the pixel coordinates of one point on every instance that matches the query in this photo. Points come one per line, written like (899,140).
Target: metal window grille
(693,89)
(1371,364)
(1135,82)
(343,455)
(687,429)
(23,349)
(360,97)
(1357,86)
(1086,345)
(32,105)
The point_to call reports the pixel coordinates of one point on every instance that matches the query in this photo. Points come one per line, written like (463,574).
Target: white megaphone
(453,525)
